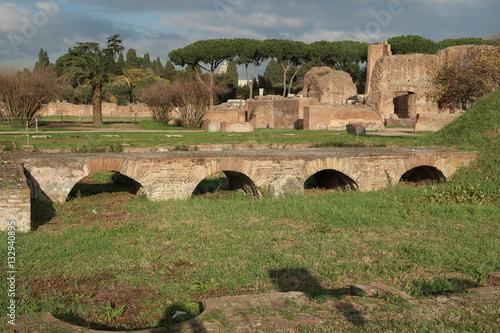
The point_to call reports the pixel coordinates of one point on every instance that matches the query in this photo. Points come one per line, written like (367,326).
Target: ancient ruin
(398,93)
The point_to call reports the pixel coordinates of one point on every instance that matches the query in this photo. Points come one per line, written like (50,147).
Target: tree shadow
(300,279)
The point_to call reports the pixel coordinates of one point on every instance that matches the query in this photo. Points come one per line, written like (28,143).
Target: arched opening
(422,175)
(226,181)
(330,180)
(104,182)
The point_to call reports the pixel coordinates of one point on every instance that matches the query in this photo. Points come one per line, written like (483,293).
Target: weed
(110,312)
(181,148)
(460,193)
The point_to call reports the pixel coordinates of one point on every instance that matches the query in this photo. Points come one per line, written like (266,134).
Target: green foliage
(412,44)
(467,80)
(81,95)
(461,194)
(110,312)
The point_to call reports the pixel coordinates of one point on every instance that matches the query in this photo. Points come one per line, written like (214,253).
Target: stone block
(286,184)
(356,128)
(237,127)
(214,127)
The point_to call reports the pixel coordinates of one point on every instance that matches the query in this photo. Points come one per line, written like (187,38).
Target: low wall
(15,202)
(325,117)
(433,122)
(108,110)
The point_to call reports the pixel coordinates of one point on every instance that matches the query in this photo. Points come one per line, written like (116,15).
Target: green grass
(275,139)
(182,250)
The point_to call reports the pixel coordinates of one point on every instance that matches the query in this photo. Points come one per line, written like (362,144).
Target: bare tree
(23,93)
(192,99)
(158,98)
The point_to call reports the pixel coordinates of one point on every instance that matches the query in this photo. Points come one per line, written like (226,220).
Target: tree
(158,97)
(131,59)
(43,60)
(121,61)
(273,77)
(251,51)
(289,54)
(146,61)
(465,81)
(22,94)
(412,44)
(114,46)
(95,67)
(205,54)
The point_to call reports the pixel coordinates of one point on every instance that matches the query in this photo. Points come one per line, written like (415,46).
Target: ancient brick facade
(400,84)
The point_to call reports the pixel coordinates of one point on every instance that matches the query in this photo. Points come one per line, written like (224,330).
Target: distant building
(223,68)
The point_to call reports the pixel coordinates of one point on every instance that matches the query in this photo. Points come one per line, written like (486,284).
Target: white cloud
(12,17)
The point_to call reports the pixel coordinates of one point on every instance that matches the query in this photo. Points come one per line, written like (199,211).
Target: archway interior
(226,181)
(104,182)
(330,180)
(423,175)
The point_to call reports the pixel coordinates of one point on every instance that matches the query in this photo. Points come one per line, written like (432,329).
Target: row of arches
(110,181)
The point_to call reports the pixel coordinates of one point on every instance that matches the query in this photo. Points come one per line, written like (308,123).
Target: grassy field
(116,260)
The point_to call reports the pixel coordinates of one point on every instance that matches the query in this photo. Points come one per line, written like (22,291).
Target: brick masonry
(15,202)
(175,175)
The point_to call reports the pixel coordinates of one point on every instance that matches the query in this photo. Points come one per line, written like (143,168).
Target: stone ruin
(398,93)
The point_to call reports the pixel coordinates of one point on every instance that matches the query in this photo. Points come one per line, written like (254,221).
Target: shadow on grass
(300,279)
(41,213)
(176,318)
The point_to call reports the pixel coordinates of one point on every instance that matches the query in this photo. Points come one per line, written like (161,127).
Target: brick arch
(343,166)
(106,164)
(428,160)
(205,169)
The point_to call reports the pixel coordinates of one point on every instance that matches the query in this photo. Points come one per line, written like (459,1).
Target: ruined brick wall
(15,202)
(222,113)
(374,53)
(400,84)
(399,77)
(325,117)
(261,113)
(280,113)
(329,86)
(108,110)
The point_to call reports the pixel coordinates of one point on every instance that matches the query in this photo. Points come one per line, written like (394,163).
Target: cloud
(12,17)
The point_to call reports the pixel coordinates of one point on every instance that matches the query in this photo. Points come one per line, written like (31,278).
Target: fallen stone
(285,185)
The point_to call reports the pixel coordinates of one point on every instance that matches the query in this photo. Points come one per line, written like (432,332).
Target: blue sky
(159,26)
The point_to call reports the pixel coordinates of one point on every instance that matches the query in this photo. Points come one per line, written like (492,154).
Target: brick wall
(108,110)
(15,202)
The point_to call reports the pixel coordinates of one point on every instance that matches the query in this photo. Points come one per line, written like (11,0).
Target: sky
(160,26)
